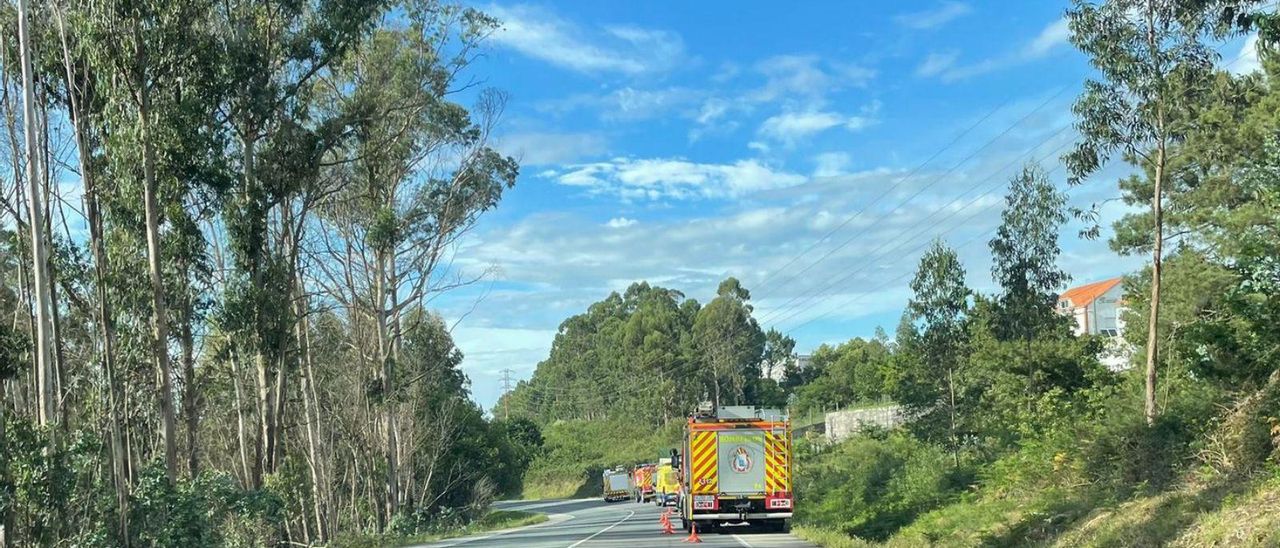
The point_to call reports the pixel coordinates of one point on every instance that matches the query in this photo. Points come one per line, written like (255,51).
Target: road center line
(742,541)
(598,533)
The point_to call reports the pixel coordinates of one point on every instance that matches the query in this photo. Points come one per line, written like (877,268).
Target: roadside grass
(554,488)
(828,538)
(1153,520)
(1213,512)
(1010,520)
(493,521)
(1250,520)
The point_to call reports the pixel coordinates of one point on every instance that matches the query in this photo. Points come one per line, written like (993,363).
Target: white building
(777,371)
(1098,309)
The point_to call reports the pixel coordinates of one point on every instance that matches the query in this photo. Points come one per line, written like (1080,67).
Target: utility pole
(506,390)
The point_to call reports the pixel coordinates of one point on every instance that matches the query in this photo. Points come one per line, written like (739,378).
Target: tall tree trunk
(1157,260)
(55,314)
(191,394)
(241,436)
(265,449)
(6,516)
(266,414)
(403,459)
(285,357)
(1157,214)
(105,317)
(160,310)
(388,386)
(955,439)
(319,485)
(39,252)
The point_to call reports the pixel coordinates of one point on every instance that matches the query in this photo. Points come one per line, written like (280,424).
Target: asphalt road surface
(592,523)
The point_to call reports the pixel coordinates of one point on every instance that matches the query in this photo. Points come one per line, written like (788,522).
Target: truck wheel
(784,526)
(684,524)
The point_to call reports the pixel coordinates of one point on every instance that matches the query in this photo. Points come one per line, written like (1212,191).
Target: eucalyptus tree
(933,340)
(156,64)
(1154,64)
(275,52)
(84,107)
(1025,253)
(730,341)
(41,281)
(414,177)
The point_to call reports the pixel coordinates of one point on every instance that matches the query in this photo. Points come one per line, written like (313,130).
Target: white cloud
(831,164)
(1247,61)
(712,110)
(537,33)
(1054,35)
(544,148)
(626,103)
(792,127)
(933,18)
(675,178)
(936,63)
(946,67)
(562,261)
(806,76)
(620,222)
(789,127)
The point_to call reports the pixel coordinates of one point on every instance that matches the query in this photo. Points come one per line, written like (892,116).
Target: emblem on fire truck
(741,460)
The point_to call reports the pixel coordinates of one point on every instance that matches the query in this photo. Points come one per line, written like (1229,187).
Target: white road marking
(742,541)
(602,531)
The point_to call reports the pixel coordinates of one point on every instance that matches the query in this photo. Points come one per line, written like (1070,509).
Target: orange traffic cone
(693,533)
(666,526)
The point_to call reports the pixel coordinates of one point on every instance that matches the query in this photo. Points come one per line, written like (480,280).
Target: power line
(537,392)
(768,316)
(904,178)
(788,310)
(860,297)
(924,188)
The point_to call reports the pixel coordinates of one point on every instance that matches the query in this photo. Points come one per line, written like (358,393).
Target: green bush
(207,511)
(1117,450)
(870,487)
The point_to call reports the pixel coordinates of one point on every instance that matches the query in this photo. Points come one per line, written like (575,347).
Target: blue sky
(811,150)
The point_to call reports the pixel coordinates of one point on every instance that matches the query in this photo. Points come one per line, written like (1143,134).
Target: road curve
(592,523)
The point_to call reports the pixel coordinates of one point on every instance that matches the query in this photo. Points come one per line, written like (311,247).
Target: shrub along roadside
(870,486)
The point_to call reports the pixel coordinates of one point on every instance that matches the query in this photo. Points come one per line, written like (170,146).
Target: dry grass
(1248,521)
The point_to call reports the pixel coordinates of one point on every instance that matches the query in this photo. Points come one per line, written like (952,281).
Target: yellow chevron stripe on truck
(777,476)
(703,463)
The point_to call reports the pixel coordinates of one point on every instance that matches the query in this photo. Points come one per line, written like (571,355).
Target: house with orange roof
(1095,307)
(1098,309)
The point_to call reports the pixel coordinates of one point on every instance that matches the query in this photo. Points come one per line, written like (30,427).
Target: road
(591,523)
